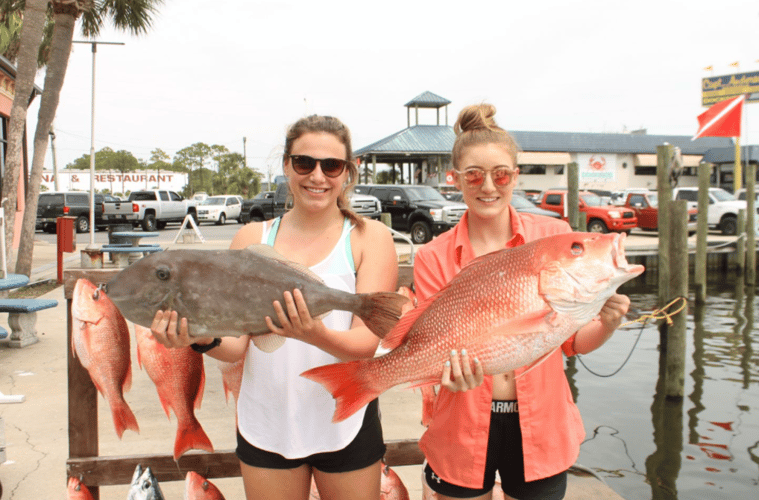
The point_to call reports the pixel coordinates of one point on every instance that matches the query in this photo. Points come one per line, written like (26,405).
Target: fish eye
(205,485)
(576,248)
(163,273)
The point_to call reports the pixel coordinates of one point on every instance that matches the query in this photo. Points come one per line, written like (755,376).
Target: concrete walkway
(36,434)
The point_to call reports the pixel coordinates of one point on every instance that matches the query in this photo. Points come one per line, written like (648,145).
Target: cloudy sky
(218,72)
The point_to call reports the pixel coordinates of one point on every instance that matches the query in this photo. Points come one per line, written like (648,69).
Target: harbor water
(706,445)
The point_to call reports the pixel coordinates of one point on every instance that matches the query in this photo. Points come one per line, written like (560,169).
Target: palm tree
(31,35)
(134,16)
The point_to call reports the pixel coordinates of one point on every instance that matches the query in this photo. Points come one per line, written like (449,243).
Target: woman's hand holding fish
(614,311)
(171,332)
(597,332)
(296,320)
(457,373)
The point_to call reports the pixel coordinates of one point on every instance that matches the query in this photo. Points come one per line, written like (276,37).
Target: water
(705,446)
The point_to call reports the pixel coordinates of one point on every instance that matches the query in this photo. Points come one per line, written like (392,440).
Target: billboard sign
(115,182)
(718,88)
(597,167)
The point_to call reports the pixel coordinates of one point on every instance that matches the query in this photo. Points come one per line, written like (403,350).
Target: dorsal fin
(270,252)
(397,335)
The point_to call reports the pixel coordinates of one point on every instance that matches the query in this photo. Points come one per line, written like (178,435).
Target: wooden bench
(124,254)
(22,318)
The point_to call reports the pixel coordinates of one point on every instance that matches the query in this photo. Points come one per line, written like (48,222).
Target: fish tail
(191,436)
(123,418)
(348,382)
(380,311)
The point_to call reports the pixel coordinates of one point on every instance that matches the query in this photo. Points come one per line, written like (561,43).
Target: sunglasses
(475,176)
(331,167)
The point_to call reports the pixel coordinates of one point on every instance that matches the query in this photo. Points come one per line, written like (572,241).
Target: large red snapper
(199,488)
(179,378)
(100,340)
(76,490)
(391,486)
(508,309)
(229,292)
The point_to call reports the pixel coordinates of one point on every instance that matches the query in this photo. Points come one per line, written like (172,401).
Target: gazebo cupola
(426,100)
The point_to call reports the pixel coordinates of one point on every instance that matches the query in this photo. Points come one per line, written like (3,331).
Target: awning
(539,158)
(642,160)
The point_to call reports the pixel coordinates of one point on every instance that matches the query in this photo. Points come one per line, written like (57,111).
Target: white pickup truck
(722,210)
(152,209)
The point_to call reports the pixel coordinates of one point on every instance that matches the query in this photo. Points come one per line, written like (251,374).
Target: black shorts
(505,456)
(366,448)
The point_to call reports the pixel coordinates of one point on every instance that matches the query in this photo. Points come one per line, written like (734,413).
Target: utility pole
(55,163)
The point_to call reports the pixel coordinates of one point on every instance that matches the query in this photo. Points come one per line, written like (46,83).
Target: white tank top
(280,411)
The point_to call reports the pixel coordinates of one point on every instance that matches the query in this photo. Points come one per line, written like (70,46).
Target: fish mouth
(620,261)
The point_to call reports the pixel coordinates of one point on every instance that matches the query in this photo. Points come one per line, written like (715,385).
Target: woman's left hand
(297,322)
(613,311)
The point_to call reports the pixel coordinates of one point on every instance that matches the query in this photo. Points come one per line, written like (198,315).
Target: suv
(52,205)
(600,218)
(218,209)
(420,210)
(722,212)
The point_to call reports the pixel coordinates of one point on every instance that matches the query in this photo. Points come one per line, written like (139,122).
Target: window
(553,199)
(641,170)
(532,169)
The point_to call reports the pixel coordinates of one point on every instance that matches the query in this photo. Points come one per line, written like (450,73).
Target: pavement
(34,432)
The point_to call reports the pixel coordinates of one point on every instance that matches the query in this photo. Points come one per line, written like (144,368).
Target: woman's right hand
(457,373)
(168,330)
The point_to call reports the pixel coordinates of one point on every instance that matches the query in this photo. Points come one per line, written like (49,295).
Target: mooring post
(573,196)
(704,169)
(740,244)
(750,222)
(675,369)
(663,157)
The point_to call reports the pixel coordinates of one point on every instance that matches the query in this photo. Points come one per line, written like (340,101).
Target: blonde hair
(476,125)
(330,125)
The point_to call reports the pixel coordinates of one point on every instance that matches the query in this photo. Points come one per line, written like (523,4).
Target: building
(606,161)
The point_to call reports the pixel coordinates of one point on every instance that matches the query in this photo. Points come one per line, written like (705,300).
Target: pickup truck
(52,205)
(646,208)
(152,209)
(270,204)
(420,210)
(600,218)
(722,212)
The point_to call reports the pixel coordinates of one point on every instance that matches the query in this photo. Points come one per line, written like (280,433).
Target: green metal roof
(428,100)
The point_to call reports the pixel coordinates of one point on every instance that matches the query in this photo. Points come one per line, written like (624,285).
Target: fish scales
(508,309)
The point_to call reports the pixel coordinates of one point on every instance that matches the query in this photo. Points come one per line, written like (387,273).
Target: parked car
(152,209)
(218,209)
(620,197)
(741,195)
(522,204)
(599,218)
(646,208)
(722,210)
(52,205)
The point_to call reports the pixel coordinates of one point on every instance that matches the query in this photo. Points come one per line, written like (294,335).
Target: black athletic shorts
(366,448)
(505,456)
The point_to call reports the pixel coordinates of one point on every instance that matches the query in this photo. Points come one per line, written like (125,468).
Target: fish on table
(391,486)
(230,292)
(199,488)
(76,490)
(100,340)
(509,309)
(179,378)
(144,485)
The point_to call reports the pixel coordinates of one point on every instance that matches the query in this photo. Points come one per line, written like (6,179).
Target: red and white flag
(721,120)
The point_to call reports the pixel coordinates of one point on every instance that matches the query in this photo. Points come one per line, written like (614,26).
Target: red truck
(646,208)
(600,218)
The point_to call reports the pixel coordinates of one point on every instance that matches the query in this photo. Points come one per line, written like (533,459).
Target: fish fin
(428,403)
(380,311)
(397,335)
(348,382)
(531,322)
(123,418)
(269,342)
(535,364)
(268,251)
(191,437)
(127,380)
(201,385)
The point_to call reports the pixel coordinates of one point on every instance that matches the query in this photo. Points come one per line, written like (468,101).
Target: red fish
(179,379)
(508,309)
(100,340)
(199,488)
(391,486)
(231,378)
(77,490)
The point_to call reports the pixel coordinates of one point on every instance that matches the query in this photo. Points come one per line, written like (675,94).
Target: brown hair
(330,125)
(476,125)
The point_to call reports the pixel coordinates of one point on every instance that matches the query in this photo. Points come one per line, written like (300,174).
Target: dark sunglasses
(475,176)
(331,167)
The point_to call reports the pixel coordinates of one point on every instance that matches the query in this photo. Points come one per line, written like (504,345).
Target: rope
(655,315)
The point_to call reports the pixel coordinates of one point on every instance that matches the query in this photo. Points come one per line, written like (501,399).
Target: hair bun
(476,117)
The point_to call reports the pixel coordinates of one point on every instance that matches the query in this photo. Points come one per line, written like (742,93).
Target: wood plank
(115,470)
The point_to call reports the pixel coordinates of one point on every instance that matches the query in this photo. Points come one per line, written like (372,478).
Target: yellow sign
(718,88)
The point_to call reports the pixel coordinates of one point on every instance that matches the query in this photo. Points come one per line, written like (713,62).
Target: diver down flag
(721,120)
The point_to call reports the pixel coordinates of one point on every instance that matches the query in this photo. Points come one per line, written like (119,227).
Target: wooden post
(663,157)
(573,200)
(704,169)
(750,222)
(675,369)
(740,245)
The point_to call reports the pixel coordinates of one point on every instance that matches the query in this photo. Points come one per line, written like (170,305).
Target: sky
(240,73)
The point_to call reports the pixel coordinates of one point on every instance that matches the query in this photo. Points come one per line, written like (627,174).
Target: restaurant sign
(597,167)
(718,88)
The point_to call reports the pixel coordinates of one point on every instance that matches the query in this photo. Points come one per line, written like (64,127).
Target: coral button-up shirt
(455,444)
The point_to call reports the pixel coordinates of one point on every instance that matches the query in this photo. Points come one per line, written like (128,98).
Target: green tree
(135,16)
(195,158)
